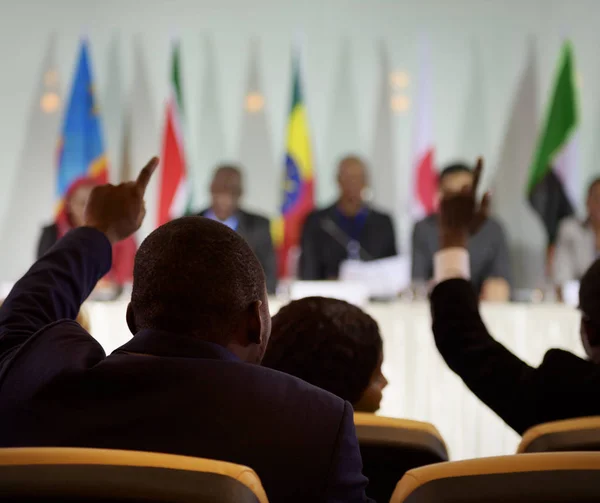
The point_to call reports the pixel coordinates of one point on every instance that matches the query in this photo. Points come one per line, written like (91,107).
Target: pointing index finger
(144,177)
(477,174)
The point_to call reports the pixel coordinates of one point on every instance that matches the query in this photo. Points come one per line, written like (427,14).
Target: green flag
(545,188)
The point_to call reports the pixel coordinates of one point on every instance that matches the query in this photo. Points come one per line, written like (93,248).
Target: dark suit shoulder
(255,219)
(429,222)
(559,362)
(301,391)
(379,214)
(51,228)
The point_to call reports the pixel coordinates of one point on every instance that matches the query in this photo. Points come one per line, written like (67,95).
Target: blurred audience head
(352,178)
(455,178)
(197,277)
(593,201)
(225,191)
(589,304)
(330,344)
(75,200)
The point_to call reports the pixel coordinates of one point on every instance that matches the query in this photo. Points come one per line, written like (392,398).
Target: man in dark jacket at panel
(350,229)
(563,386)
(226,191)
(188,382)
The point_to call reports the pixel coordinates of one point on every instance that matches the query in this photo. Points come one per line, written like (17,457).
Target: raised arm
(498,377)
(57,284)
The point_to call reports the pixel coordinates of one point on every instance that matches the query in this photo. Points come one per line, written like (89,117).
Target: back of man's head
(589,293)
(196,276)
(589,304)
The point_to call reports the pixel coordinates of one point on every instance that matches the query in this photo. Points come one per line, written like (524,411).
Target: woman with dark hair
(71,216)
(331,344)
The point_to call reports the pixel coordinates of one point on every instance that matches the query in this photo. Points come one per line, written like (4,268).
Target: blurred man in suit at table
(578,242)
(349,229)
(490,263)
(189,381)
(226,190)
(563,386)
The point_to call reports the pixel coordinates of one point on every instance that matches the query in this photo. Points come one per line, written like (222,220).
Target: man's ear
(131,320)
(255,328)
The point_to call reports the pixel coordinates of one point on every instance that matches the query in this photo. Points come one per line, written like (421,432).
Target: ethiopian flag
(549,173)
(173,196)
(81,152)
(298,185)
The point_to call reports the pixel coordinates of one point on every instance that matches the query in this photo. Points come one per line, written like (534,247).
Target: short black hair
(457,167)
(231,168)
(326,342)
(589,295)
(194,275)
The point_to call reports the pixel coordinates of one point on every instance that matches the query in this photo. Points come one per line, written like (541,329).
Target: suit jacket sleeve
(510,387)
(390,249)
(54,288)
(346,481)
(421,260)
(501,264)
(309,267)
(47,240)
(266,255)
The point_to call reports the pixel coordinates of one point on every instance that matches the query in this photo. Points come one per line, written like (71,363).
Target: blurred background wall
(492,64)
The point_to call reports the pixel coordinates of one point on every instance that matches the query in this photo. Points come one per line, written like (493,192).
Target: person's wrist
(104,229)
(454,238)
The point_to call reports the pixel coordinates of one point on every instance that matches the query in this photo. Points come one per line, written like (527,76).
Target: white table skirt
(421,385)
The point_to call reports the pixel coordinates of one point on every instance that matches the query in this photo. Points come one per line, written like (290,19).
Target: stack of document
(383,279)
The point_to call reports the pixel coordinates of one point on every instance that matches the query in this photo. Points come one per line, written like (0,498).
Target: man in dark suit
(189,381)
(563,386)
(350,229)
(226,190)
(490,262)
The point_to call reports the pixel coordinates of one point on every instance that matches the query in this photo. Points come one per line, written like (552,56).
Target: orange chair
(391,446)
(564,477)
(72,474)
(581,434)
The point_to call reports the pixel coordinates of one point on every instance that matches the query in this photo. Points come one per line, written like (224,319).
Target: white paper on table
(383,278)
(354,292)
(570,293)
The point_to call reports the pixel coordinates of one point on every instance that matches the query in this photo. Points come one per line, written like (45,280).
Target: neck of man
(222,216)
(350,207)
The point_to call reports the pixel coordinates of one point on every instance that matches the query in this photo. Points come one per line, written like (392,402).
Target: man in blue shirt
(349,229)
(226,191)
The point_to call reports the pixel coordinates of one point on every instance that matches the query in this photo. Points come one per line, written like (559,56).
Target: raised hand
(460,215)
(118,211)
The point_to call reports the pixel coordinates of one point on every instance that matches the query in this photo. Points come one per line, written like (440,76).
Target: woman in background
(72,217)
(330,344)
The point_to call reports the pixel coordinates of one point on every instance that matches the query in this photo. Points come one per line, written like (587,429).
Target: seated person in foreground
(490,264)
(72,217)
(226,190)
(331,344)
(563,386)
(189,381)
(578,243)
(350,229)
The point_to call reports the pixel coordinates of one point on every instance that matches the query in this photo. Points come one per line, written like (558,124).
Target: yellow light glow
(399,79)
(400,103)
(50,102)
(51,78)
(254,102)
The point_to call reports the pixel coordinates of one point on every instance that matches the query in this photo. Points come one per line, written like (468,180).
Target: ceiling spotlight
(254,102)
